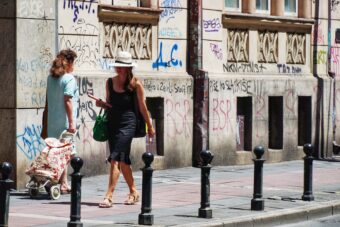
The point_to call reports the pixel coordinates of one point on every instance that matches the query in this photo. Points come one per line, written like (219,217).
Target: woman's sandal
(132,199)
(107,203)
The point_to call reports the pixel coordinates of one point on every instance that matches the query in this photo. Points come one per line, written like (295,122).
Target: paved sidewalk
(176,198)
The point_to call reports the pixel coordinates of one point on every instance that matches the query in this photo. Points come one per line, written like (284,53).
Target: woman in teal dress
(62,98)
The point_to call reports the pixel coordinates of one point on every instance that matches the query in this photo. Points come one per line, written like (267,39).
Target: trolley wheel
(48,189)
(33,192)
(54,192)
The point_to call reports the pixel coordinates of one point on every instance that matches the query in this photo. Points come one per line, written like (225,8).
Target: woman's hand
(151,131)
(71,128)
(100,103)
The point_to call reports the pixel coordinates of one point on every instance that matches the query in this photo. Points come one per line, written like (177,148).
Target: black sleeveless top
(122,111)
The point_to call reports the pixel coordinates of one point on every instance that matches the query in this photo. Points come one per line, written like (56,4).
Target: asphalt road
(331,221)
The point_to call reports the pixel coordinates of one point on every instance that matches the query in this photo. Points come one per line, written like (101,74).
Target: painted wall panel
(35,52)
(36,9)
(335,10)
(212,25)
(171,25)
(87,49)
(214,56)
(173,4)
(171,56)
(79,18)
(321,38)
(29,144)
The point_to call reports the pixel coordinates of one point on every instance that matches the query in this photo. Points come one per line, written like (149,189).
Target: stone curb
(277,217)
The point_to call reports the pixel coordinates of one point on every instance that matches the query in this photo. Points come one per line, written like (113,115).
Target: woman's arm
(100,102)
(69,113)
(143,109)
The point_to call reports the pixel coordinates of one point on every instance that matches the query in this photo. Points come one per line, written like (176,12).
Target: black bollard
(145,217)
(205,211)
(257,203)
(308,173)
(76,176)
(5,185)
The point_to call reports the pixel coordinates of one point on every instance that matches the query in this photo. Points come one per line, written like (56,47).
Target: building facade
(223,75)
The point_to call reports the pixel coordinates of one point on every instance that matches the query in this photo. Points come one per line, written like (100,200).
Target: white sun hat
(123,59)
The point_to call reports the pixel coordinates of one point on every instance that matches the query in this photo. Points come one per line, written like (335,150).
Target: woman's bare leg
(127,173)
(63,180)
(113,178)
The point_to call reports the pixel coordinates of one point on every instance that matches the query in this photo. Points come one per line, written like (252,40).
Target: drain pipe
(332,74)
(200,81)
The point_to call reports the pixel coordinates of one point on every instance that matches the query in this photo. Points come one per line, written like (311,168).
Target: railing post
(205,211)
(76,176)
(308,173)
(257,203)
(5,185)
(145,217)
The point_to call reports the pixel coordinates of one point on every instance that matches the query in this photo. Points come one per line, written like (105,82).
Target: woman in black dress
(122,123)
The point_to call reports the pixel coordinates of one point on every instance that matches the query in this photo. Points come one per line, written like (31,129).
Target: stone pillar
(8,83)
(305,9)
(248,6)
(277,7)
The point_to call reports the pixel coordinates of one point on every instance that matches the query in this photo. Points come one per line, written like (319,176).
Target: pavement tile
(176,198)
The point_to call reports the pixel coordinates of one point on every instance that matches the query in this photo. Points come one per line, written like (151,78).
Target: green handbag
(100,131)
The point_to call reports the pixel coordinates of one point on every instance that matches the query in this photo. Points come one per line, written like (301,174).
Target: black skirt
(121,128)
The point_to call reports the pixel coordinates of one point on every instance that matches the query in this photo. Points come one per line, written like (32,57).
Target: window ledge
(242,20)
(128,14)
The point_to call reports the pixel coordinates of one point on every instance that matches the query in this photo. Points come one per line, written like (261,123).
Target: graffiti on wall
(221,114)
(167,61)
(217,50)
(283,68)
(29,141)
(170,32)
(31,8)
(178,116)
(29,76)
(335,4)
(171,8)
(250,67)
(335,59)
(212,25)
(318,33)
(86,47)
(77,6)
(320,57)
(168,87)
(234,85)
(85,106)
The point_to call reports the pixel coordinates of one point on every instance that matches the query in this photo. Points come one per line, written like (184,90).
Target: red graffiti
(178,114)
(320,38)
(335,52)
(290,100)
(259,108)
(260,104)
(337,98)
(221,114)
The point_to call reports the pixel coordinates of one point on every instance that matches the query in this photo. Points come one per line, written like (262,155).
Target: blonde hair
(63,60)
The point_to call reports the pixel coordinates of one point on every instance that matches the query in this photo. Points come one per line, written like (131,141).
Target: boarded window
(244,124)
(304,120)
(275,122)
(156,108)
